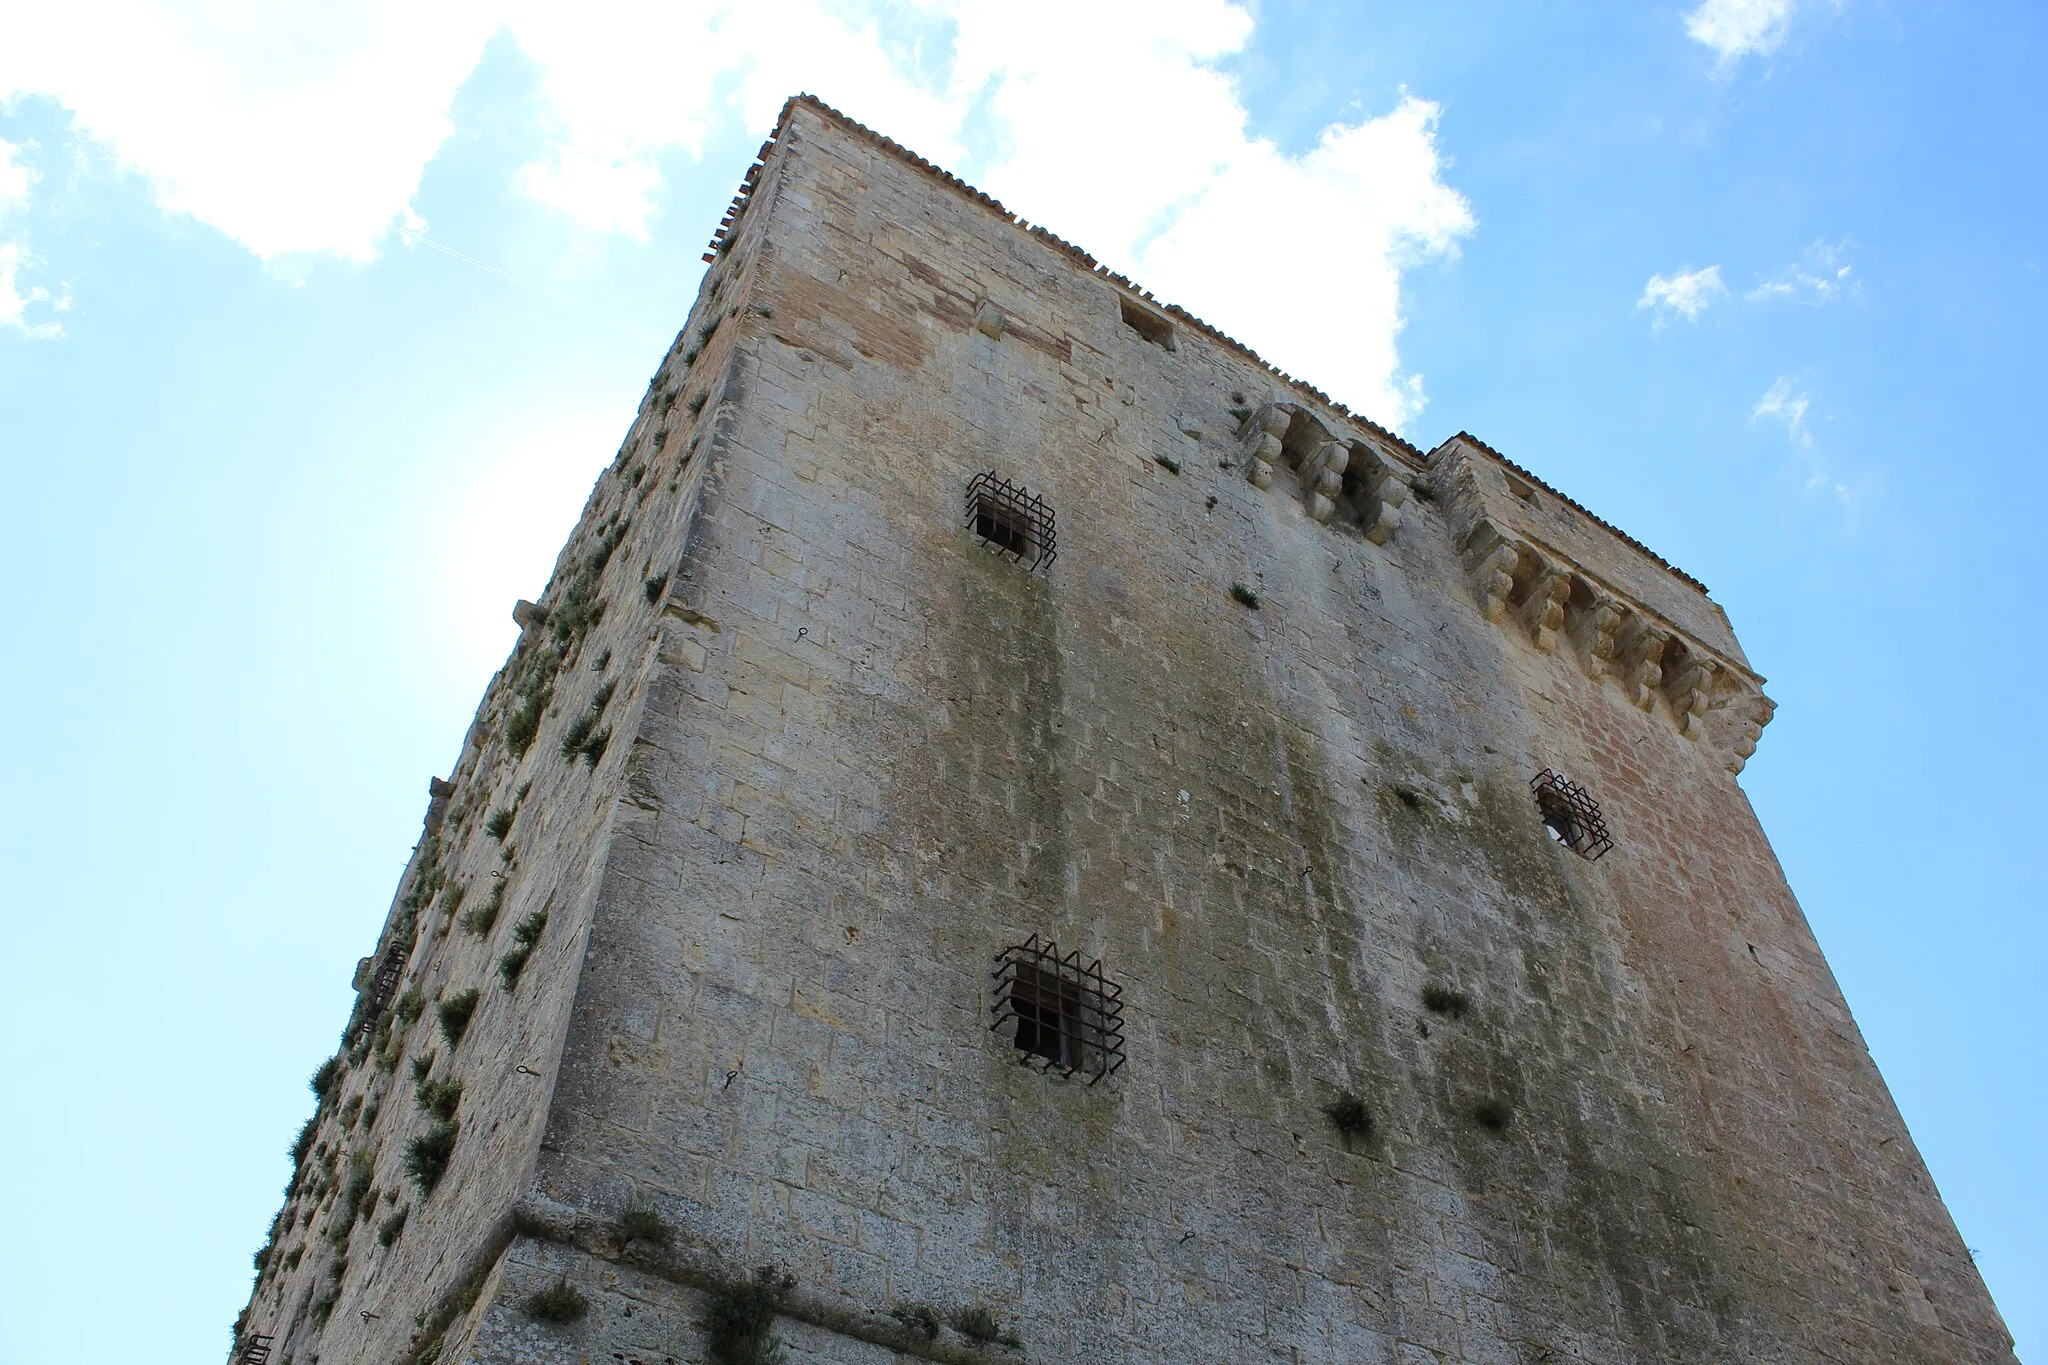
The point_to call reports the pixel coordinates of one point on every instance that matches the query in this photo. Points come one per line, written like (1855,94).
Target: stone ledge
(697,1267)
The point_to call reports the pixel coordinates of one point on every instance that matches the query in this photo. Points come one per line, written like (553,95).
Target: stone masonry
(804,743)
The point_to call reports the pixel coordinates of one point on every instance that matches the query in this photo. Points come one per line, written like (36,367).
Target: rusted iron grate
(1065,1015)
(384,985)
(257,1352)
(1012,521)
(1571,816)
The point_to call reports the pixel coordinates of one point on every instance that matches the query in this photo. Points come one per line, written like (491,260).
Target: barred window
(1011,521)
(1064,1015)
(1571,816)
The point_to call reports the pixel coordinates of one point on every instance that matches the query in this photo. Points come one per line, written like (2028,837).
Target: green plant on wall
(427,1155)
(977,1323)
(739,1318)
(525,935)
(455,1013)
(560,1302)
(439,1098)
(1351,1115)
(641,1223)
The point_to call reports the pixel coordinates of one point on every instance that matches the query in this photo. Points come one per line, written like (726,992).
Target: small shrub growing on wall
(977,1323)
(640,1223)
(427,1156)
(1351,1115)
(439,1098)
(559,1302)
(455,1012)
(1244,596)
(525,935)
(739,1317)
(322,1082)
(500,823)
(918,1318)
(388,1230)
(479,918)
(361,1171)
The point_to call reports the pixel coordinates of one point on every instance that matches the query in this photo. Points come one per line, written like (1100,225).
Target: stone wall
(1260,740)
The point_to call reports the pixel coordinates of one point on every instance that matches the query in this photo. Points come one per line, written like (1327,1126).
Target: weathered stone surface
(853,755)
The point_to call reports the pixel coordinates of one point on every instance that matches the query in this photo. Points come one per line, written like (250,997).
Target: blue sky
(316,324)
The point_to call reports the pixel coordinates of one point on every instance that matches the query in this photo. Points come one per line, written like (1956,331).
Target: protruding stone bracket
(1591,618)
(1538,592)
(1492,558)
(1687,677)
(1260,436)
(1743,713)
(439,793)
(988,320)
(1375,489)
(1322,478)
(1639,658)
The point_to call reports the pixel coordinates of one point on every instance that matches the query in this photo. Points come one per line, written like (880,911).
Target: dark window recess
(1012,521)
(1147,323)
(1064,1016)
(1571,816)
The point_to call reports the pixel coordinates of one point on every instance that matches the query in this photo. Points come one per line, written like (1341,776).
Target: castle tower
(1069,845)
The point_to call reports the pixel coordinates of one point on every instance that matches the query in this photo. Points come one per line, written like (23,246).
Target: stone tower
(1071,846)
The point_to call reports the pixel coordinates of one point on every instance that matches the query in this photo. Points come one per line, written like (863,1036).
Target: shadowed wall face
(1254,750)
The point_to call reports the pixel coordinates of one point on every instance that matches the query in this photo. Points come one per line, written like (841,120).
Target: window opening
(1064,1015)
(1571,816)
(1146,323)
(257,1352)
(1010,520)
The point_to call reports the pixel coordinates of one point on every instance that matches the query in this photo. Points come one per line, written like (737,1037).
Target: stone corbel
(1322,476)
(1639,653)
(1592,630)
(1687,687)
(1385,493)
(1493,557)
(1261,435)
(1755,714)
(988,320)
(1542,608)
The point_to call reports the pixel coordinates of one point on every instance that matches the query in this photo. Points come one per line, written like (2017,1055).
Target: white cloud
(1686,293)
(299,128)
(1820,276)
(1739,28)
(15,302)
(16,178)
(1781,404)
(290,127)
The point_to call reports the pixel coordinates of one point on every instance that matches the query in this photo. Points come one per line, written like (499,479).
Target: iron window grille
(384,985)
(1011,521)
(1571,816)
(257,1352)
(1065,1016)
